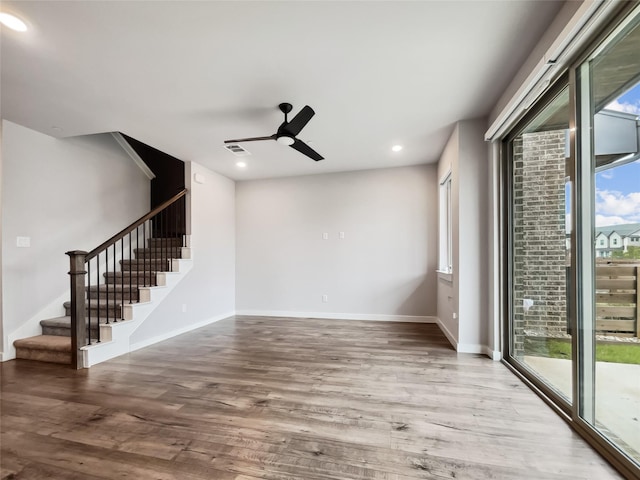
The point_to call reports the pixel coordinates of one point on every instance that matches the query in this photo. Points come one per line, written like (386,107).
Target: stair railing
(93,303)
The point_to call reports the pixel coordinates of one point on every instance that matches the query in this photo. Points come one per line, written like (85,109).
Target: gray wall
(473,242)
(385,265)
(448,286)
(1,307)
(537,55)
(65,194)
(208,291)
(466,295)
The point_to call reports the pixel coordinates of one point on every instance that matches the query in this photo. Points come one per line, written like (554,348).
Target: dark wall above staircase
(169,172)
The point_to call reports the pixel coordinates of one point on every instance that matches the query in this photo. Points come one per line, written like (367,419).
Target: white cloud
(605,221)
(626,107)
(607,175)
(610,202)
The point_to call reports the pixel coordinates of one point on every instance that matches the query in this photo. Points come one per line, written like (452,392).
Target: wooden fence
(618,298)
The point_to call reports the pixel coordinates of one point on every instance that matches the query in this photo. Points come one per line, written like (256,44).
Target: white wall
(1,308)
(473,244)
(466,294)
(384,267)
(65,194)
(448,285)
(208,290)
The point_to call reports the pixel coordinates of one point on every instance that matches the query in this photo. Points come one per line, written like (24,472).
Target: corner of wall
(207,294)
(447,298)
(188,180)
(3,347)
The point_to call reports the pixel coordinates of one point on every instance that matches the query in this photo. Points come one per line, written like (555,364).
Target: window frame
(445,226)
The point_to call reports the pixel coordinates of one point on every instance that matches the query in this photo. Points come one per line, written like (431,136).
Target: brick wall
(539,235)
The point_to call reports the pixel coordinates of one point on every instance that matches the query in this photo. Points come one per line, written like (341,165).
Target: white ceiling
(184,76)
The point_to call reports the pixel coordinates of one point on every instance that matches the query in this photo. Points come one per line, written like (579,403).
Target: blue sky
(618,189)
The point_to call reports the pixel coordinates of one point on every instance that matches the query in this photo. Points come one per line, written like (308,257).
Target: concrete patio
(617,394)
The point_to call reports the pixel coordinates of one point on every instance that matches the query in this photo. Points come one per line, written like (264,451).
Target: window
(445,264)
(601,243)
(615,241)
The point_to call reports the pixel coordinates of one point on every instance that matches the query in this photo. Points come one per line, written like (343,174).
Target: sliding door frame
(580,291)
(558,403)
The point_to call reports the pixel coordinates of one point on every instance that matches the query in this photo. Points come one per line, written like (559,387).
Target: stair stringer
(115,337)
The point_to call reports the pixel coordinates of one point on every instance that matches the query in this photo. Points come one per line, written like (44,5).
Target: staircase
(107,303)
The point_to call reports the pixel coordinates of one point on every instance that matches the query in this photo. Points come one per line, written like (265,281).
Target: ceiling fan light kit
(288,141)
(287,131)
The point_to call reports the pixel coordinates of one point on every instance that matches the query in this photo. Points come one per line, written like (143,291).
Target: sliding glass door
(540,334)
(608,85)
(572,225)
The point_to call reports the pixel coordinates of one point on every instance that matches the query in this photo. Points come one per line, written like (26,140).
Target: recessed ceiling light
(12,22)
(241,164)
(396,148)
(55,128)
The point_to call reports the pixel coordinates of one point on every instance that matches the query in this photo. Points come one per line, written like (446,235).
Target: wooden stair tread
(135,276)
(172,241)
(111,287)
(103,303)
(143,260)
(45,342)
(158,248)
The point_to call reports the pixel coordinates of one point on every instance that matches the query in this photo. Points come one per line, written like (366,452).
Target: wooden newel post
(77,274)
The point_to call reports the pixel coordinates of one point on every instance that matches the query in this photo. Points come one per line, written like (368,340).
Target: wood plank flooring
(270,398)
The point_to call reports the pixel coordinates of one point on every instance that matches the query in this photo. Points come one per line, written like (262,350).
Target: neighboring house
(616,238)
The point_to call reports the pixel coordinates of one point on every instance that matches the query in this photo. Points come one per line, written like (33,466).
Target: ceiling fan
(288,130)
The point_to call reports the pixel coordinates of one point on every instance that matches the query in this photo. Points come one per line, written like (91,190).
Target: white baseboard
(174,333)
(495,355)
(476,348)
(6,356)
(468,347)
(448,334)
(340,316)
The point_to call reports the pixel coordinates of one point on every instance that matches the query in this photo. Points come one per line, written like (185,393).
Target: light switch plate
(23,242)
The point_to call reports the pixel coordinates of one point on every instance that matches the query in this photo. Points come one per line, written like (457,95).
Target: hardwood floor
(270,398)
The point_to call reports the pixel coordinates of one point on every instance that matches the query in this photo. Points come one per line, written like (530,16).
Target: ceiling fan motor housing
(288,131)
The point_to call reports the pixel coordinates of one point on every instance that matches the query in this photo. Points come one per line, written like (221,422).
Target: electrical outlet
(325,236)
(342,235)
(325,298)
(184,308)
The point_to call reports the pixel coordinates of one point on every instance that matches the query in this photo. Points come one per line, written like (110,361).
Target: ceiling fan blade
(298,122)
(306,150)
(252,139)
